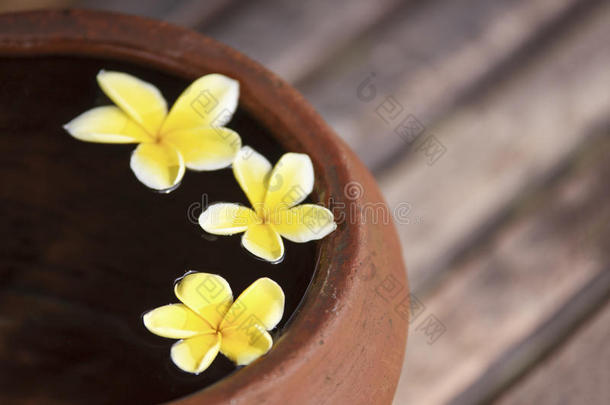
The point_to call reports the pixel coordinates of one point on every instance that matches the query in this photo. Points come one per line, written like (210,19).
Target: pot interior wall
(87,249)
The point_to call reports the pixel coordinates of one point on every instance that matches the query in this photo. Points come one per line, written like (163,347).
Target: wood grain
(188,13)
(428,56)
(517,361)
(549,250)
(294,38)
(501,144)
(578,373)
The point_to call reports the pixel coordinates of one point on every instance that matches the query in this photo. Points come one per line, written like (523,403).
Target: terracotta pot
(346,343)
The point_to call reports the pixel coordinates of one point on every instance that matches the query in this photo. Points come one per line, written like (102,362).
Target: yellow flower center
(268,216)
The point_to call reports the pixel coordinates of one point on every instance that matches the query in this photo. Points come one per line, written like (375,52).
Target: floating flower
(274,194)
(208,321)
(191,135)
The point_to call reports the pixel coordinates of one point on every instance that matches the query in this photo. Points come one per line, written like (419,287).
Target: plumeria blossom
(208,321)
(274,194)
(192,135)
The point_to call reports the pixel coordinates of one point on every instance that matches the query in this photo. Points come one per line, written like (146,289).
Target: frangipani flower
(274,195)
(208,321)
(191,135)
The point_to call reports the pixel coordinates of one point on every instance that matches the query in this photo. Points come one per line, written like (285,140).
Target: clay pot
(346,343)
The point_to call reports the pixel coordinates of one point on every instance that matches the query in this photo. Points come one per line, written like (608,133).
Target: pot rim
(290,119)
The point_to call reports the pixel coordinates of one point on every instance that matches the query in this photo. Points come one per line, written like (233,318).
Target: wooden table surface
(487,126)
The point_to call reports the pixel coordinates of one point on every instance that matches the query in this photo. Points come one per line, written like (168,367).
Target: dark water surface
(86,249)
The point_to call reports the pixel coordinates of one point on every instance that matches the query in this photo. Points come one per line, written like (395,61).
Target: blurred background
(486,125)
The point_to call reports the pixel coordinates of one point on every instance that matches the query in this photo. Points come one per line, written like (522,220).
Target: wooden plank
(188,13)
(577,374)
(551,248)
(293,38)
(500,145)
(517,361)
(428,57)
(152,8)
(193,13)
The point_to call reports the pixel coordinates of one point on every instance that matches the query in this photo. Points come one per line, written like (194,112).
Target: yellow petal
(304,223)
(263,241)
(195,354)
(158,166)
(176,321)
(251,170)
(245,345)
(209,295)
(205,148)
(262,303)
(227,218)
(209,101)
(142,101)
(106,124)
(290,182)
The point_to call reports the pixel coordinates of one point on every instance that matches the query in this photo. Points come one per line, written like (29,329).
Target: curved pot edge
(342,299)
